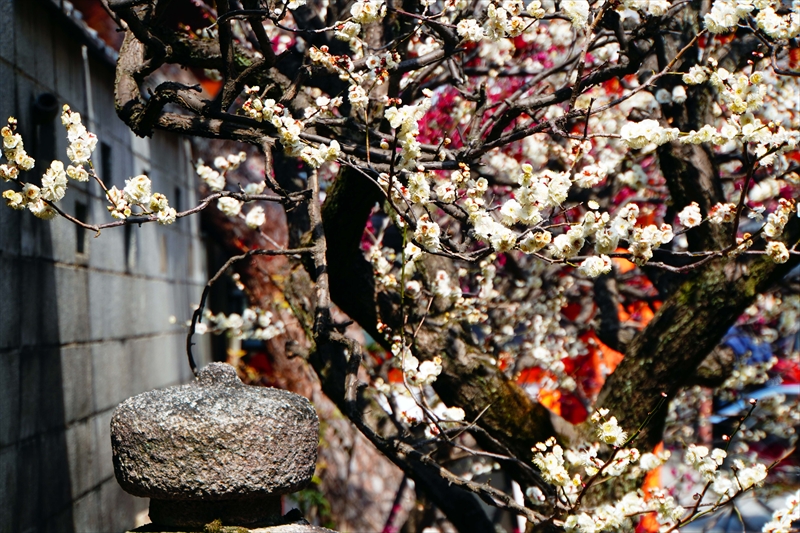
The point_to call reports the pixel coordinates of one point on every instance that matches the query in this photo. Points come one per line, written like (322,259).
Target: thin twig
(197,316)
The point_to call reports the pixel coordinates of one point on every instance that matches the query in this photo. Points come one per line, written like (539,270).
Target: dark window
(44,110)
(178,205)
(81,213)
(106,172)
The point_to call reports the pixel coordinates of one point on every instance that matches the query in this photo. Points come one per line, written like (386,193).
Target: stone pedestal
(215,449)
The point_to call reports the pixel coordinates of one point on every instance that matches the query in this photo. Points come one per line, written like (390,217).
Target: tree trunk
(664,357)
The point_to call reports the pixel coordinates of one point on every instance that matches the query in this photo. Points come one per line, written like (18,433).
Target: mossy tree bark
(664,357)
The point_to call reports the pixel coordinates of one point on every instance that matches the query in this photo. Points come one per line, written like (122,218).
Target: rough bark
(664,357)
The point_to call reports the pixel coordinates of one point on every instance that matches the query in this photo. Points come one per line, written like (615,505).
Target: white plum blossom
(31,192)
(658,8)
(777,251)
(255,217)
(255,188)
(642,240)
(81,142)
(453,414)
(764,190)
(594,266)
(577,11)
(650,461)
(568,244)
(367,11)
(54,182)
(347,31)
(533,242)
(746,476)
(214,179)
(423,373)
(14,200)
(784,517)
(419,188)
(690,215)
(679,94)
(42,209)
(705,134)
(316,156)
(413,288)
(441,285)
(722,213)
(535,10)
(167,216)
(230,206)
(119,207)
(606,240)
(610,432)
(138,189)
(9,172)
(590,176)
(158,202)
(777,220)
(427,233)
(77,173)
(641,134)
(779,26)
(446,192)
(510,212)
(725,14)
(654,8)
(470,30)
(358,97)
(582,523)
(406,118)
(551,463)
(699,458)
(14,152)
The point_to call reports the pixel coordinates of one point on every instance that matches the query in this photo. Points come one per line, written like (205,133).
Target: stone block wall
(84,321)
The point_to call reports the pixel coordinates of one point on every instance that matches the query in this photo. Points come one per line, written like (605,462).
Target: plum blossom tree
(508,190)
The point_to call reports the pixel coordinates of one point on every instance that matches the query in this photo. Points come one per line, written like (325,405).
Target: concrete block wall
(82,329)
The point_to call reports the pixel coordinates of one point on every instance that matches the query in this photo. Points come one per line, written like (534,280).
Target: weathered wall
(82,325)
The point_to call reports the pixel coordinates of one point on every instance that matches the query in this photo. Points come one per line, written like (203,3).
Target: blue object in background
(742,344)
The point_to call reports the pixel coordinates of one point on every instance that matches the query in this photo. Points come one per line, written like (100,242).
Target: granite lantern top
(215,441)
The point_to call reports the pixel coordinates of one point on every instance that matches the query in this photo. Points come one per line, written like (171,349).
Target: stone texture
(214,439)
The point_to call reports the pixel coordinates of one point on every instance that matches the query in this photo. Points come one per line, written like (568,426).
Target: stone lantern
(216,451)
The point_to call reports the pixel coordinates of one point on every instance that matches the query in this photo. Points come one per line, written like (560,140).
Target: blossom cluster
(783,518)
(555,463)
(216,179)
(289,129)
(725,15)
(14,152)
(82,143)
(406,120)
(30,196)
(252,323)
(573,470)
(138,192)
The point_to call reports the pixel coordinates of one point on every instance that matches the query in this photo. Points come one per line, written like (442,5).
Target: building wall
(84,319)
